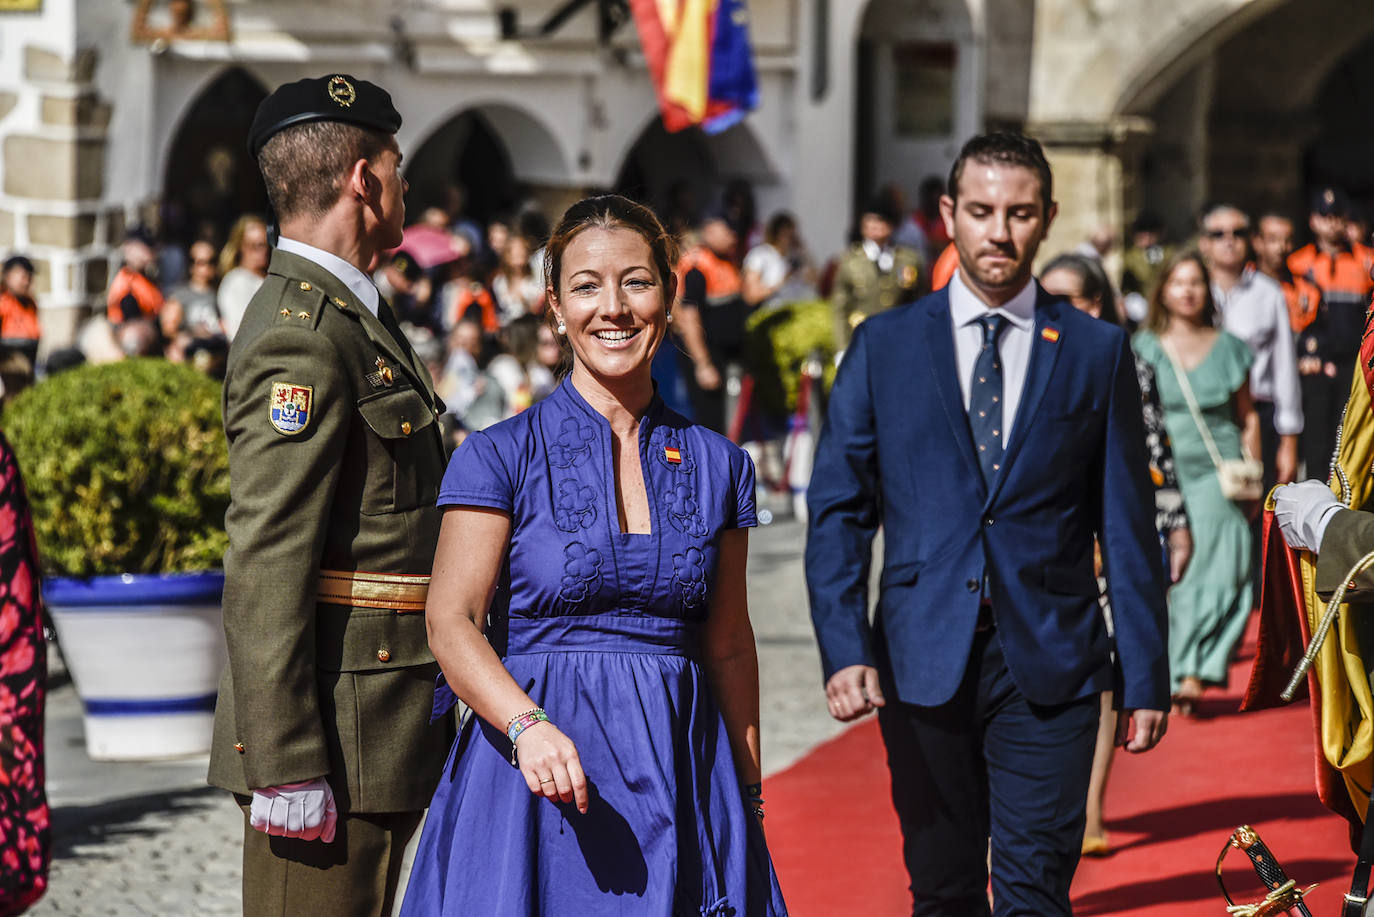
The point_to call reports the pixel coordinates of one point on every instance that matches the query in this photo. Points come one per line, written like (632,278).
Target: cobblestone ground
(153,841)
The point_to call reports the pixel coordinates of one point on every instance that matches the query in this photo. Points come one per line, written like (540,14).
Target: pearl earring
(670,318)
(562,328)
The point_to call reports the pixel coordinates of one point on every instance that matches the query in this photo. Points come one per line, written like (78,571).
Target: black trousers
(1323,401)
(989,763)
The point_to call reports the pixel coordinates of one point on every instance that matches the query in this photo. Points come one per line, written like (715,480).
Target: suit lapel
(938,334)
(1046,344)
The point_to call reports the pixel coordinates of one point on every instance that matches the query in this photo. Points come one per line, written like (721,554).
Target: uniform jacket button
(405,427)
(383,655)
(305,287)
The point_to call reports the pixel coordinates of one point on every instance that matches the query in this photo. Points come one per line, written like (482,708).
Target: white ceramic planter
(145,654)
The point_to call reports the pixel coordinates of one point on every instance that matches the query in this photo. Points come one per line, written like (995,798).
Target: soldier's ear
(363,185)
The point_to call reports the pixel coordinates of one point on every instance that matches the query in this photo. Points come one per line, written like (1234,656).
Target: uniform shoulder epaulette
(302,303)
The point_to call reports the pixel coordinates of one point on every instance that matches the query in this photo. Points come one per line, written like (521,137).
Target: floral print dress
(25,840)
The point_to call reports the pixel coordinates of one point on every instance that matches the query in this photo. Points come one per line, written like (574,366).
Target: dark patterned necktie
(985,399)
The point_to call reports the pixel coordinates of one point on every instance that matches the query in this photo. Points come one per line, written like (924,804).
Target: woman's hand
(549,762)
(1180,552)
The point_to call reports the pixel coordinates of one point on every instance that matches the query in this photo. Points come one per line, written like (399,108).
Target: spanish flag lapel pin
(673,455)
(1050,333)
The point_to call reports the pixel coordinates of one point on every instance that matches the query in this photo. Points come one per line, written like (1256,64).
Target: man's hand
(1140,730)
(852,692)
(708,377)
(1286,460)
(303,810)
(1302,512)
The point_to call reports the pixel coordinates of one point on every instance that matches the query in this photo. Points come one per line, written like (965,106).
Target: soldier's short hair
(305,166)
(1007,148)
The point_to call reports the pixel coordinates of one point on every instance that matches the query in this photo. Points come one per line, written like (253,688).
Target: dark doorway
(1344,146)
(211,180)
(465,153)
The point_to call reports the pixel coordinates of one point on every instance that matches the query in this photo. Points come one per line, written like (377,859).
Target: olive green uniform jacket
(862,290)
(315,689)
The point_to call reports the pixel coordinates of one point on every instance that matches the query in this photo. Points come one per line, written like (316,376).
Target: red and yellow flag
(700,59)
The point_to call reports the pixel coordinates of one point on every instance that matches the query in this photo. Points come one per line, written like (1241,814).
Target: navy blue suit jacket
(896,451)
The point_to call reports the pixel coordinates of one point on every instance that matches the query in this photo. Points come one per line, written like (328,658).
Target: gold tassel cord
(1333,608)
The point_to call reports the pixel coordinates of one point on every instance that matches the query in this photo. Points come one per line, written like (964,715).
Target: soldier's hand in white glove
(302,810)
(1303,512)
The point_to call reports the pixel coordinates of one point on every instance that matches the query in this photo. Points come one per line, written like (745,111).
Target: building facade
(1154,105)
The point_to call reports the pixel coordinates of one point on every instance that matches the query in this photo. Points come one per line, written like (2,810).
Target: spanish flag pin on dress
(674,456)
(1050,334)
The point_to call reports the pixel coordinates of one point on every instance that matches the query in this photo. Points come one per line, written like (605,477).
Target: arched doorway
(210,179)
(917,92)
(684,175)
(465,153)
(1343,147)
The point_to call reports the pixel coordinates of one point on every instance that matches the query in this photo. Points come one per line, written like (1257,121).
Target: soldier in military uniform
(322,728)
(874,275)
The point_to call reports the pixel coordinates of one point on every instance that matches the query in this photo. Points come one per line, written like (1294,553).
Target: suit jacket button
(973,585)
(383,655)
(987,520)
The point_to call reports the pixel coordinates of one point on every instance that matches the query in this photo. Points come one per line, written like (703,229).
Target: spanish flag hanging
(700,59)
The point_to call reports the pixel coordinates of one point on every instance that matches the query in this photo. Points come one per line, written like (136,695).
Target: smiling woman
(611,533)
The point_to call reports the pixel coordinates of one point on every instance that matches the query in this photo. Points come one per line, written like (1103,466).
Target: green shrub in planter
(126,467)
(779,342)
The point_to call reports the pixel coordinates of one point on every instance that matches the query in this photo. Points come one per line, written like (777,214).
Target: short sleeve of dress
(742,475)
(477,476)
(1235,361)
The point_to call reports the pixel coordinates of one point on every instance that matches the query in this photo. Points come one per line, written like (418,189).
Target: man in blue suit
(993,432)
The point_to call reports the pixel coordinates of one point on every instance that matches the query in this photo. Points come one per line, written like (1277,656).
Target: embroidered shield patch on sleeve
(290,407)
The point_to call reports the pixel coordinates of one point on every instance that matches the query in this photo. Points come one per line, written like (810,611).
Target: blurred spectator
(403,284)
(710,319)
(944,268)
(1140,266)
(549,355)
(1252,308)
(458,221)
(466,298)
(1357,227)
(243,267)
(908,231)
(16,372)
(133,296)
(138,339)
(875,274)
(466,388)
(1342,273)
(1272,243)
(19,326)
(25,833)
(97,343)
(514,286)
(191,313)
(680,211)
(778,270)
(63,359)
(927,215)
(522,378)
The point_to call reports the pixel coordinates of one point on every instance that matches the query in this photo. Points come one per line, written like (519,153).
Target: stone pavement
(151,840)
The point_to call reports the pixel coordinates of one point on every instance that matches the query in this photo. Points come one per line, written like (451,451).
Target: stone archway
(210,180)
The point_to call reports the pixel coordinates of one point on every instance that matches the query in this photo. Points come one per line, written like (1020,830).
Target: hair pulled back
(608,211)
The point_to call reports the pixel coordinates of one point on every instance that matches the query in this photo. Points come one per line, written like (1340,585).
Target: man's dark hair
(304,165)
(1007,148)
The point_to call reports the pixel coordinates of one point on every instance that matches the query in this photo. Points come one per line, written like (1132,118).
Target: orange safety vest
(722,277)
(132,283)
(18,318)
(944,268)
(1304,298)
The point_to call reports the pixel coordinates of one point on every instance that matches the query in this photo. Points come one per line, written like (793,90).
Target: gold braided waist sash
(401,592)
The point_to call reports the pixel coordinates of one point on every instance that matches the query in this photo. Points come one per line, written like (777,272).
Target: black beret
(338,97)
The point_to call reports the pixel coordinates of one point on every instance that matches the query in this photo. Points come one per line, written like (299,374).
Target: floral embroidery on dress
(573,445)
(689,575)
(683,510)
(581,573)
(575,506)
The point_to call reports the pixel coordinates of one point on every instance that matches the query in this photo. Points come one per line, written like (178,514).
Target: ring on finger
(546,780)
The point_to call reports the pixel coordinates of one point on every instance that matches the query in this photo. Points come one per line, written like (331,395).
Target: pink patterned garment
(25,839)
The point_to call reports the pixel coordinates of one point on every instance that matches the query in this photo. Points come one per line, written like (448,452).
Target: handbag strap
(1182,376)
(1359,883)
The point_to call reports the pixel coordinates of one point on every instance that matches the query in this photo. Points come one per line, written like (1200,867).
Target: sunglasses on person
(1227,233)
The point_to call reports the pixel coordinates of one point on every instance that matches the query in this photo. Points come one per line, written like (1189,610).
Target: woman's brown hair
(606,211)
(1157,318)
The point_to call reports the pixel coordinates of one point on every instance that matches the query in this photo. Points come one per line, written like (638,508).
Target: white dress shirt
(1255,311)
(965,309)
(357,282)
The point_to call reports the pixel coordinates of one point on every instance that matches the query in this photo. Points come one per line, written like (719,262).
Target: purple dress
(603,630)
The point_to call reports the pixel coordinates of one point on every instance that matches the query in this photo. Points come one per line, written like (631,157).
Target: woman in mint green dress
(1209,606)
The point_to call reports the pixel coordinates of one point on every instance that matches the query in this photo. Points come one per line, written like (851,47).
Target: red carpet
(837,848)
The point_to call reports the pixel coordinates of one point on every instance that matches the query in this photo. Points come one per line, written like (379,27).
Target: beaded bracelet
(520,723)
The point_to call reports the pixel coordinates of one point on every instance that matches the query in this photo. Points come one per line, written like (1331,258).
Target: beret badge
(342,91)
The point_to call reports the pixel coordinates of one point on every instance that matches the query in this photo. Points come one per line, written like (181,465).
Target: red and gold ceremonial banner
(700,60)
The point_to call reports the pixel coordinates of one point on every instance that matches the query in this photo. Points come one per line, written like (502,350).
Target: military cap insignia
(290,407)
(342,91)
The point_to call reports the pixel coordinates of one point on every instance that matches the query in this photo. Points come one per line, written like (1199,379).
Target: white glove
(304,810)
(1303,511)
